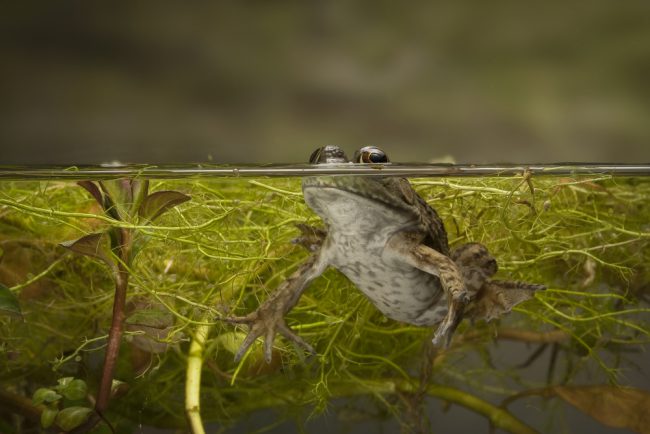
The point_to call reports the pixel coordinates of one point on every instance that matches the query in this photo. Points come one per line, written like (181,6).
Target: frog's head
(344,199)
(331,154)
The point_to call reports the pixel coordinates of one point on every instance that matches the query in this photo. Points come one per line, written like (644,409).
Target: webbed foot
(498,297)
(268,319)
(265,322)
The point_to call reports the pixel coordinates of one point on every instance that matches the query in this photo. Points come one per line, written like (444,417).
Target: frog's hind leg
(476,264)
(498,297)
(406,247)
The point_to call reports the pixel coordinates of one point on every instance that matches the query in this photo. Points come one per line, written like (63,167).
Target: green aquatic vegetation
(49,400)
(226,250)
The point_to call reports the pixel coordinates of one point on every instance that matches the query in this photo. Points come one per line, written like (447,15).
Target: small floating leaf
(72,388)
(64,381)
(618,407)
(45,395)
(71,417)
(9,302)
(160,201)
(48,416)
(93,245)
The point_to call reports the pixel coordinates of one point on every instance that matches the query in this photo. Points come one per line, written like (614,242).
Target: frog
(393,246)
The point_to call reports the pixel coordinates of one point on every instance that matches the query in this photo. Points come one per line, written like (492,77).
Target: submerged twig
(193,379)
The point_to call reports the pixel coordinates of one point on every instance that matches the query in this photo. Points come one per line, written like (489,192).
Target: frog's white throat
(357,215)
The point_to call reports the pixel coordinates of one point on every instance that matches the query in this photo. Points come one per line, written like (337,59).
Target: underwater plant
(127,201)
(587,238)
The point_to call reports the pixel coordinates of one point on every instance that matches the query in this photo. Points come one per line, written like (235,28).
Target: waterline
(298,170)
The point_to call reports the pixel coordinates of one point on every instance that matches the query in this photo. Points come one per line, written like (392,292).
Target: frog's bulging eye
(315,156)
(370,154)
(328,154)
(377,158)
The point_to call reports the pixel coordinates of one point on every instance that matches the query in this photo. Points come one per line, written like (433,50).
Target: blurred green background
(86,82)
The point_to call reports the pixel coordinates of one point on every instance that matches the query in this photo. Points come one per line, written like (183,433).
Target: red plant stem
(117,324)
(112,352)
(114,339)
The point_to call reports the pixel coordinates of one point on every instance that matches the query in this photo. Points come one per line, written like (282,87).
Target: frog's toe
(442,336)
(248,319)
(257,327)
(290,335)
(438,339)
(267,328)
(248,341)
(447,327)
(268,345)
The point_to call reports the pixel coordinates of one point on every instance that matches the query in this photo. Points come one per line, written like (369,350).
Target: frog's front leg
(268,319)
(311,238)
(407,247)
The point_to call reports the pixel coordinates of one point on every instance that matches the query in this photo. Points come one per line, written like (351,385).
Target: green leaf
(63,382)
(140,190)
(120,195)
(230,341)
(618,407)
(71,417)
(71,388)
(93,245)
(118,387)
(48,416)
(160,201)
(45,395)
(9,302)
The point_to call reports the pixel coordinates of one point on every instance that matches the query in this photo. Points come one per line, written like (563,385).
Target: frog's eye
(315,156)
(328,154)
(370,154)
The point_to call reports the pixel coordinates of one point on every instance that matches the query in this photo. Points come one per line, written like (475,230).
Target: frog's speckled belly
(399,291)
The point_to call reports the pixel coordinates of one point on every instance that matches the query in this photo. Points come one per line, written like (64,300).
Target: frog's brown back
(436,237)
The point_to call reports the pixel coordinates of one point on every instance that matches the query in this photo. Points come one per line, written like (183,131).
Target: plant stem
(114,339)
(18,404)
(497,416)
(121,275)
(117,323)
(193,379)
